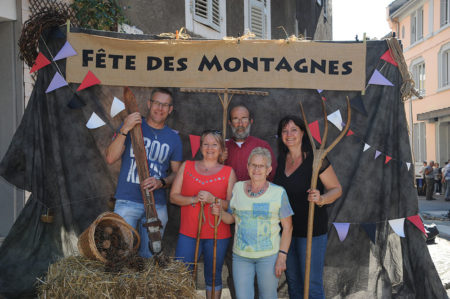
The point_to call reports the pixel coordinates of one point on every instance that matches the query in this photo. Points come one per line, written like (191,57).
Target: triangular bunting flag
(350,132)
(324,99)
(336,119)
(357,104)
(371,229)
(366,147)
(66,51)
(315,132)
(117,106)
(417,222)
(341,229)
(94,121)
(387,56)
(386,161)
(76,102)
(377,153)
(57,82)
(319,90)
(408,165)
(195,144)
(88,81)
(378,79)
(40,62)
(398,226)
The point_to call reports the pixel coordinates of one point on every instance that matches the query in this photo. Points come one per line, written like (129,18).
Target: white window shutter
(420,24)
(258,18)
(207,12)
(444,11)
(413,28)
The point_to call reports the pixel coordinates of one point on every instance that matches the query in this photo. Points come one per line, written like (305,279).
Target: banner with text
(218,63)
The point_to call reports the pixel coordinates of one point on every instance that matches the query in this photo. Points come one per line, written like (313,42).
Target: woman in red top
(206,181)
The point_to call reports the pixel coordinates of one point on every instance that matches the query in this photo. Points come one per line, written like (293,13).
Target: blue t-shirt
(162,146)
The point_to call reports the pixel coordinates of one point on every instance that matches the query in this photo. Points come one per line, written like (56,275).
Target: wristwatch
(163,182)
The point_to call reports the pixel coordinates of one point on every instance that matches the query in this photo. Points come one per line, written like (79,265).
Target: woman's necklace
(255,194)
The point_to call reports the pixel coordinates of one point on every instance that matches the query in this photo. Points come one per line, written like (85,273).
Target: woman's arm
(227,218)
(332,186)
(175,192)
(285,242)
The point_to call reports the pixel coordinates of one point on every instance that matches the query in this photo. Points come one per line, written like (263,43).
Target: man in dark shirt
(429,177)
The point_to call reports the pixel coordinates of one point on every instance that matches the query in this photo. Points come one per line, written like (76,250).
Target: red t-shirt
(193,182)
(238,156)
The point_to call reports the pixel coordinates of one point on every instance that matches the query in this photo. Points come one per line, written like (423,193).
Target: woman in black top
(294,174)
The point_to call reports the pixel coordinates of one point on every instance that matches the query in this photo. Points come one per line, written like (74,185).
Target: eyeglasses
(257,166)
(163,105)
(243,120)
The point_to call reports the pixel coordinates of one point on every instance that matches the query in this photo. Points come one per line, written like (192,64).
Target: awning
(434,114)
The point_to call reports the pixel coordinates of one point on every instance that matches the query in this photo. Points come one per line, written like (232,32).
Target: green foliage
(98,14)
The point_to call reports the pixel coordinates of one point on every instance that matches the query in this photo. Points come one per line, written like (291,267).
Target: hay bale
(79,277)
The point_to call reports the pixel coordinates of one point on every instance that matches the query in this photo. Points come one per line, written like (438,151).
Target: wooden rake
(319,156)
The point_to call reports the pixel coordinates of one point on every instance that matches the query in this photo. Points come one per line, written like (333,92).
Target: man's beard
(241,135)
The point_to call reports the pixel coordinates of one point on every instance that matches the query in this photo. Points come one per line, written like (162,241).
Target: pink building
(423,26)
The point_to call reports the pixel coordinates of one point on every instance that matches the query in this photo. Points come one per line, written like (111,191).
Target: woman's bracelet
(282,251)
(192,201)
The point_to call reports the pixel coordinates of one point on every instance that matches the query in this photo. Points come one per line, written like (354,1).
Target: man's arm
(115,149)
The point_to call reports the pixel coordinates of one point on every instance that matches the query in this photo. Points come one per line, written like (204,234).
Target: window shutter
(258,18)
(446,68)
(420,24)
(207,12)
(413,28)
(444,12)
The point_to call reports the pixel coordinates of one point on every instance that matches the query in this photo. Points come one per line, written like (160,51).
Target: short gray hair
(261,151)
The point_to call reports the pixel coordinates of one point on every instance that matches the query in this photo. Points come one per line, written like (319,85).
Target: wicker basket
(86,242)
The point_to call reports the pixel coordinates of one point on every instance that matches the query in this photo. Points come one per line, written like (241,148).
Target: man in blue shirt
(163,148)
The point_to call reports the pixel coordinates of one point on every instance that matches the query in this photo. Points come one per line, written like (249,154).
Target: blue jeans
(134,214)
(447,189)
(244,270)
(295,272)
(185,252)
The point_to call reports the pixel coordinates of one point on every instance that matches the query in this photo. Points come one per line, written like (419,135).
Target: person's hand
(314,196)
(216,209)
(225,154)
(130,121)
(151,184)
(206,197)
(280,264)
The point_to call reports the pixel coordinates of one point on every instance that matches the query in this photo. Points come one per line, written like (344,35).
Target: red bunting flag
(314,128)
(350,132)
(324,99)
(195,144)
(417,222)
(40,62)
(89,80)
(387,56)
(386,161)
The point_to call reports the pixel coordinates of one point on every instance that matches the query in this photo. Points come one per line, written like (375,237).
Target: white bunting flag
(398,226)
(94,122)
(366,147)
(408,165)
(336,119)
(117,106)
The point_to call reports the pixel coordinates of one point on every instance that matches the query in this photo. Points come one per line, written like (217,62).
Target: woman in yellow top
(258,206)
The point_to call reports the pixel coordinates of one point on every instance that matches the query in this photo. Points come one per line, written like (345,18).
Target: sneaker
(437,193)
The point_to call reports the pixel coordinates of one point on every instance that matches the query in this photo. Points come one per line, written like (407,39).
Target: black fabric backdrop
(62,163)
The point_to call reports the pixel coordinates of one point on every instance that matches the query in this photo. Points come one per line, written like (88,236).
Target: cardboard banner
(218,63)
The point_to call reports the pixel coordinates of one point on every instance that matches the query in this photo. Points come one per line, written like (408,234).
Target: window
(418,73)
(445,12)
(207,12)
(420,149)
(444,66)
(257,17)
(417,25)
(403,31)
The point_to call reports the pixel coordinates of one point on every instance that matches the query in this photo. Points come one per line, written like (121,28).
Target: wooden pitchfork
(319,156)
(216,225)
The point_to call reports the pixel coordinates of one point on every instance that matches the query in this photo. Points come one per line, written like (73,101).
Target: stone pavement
(437,212)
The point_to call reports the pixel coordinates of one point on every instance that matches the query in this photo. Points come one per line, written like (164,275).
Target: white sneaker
(437,193)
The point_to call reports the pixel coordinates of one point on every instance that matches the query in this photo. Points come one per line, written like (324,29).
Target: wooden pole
(197,243)
(319,156)
(213,291)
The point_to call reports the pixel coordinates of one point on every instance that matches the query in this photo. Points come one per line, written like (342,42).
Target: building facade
(423,26)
